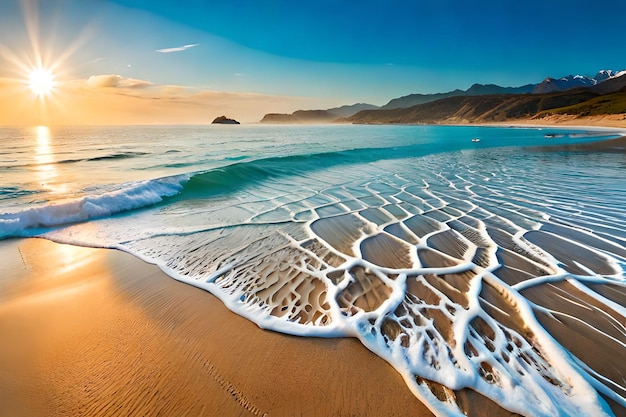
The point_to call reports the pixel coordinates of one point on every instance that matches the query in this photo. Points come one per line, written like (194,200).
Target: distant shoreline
(565,121)
(595,122)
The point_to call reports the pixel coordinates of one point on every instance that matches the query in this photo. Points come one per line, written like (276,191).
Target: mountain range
(498,102)
(551,85)
(474,90)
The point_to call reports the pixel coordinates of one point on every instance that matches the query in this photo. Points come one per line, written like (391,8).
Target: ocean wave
(251,171)
(248,172)
(12,192)
(112,156)
(226,179)
(128,197)
(118,155)
(232,177)
(238,172)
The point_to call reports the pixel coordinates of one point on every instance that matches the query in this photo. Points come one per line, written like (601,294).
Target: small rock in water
(225,121)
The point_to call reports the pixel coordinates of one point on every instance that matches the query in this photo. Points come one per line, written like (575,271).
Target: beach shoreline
(615,122)
(603,122)
(98,332)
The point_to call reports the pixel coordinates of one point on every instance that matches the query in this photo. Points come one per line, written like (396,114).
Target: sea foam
(422,259)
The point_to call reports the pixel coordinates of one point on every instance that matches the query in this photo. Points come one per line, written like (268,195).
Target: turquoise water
(397,235)
(44,166)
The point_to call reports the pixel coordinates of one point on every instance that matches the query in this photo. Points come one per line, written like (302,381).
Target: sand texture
(95,332)
(92,332)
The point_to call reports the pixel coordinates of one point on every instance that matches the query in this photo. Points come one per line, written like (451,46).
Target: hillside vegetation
(606,104)
(498,108)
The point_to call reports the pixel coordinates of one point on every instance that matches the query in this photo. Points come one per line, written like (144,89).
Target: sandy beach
(94,332)
(564,120)
(97,332)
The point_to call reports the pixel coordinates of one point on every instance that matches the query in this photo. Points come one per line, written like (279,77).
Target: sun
(42,82)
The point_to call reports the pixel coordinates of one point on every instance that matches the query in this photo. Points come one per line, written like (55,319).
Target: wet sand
(95,332)
(587,328)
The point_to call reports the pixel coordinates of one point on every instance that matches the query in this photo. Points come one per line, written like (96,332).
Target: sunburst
(40,69)
(41,81)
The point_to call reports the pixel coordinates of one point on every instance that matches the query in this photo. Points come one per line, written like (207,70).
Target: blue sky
(331,51)
(508,42)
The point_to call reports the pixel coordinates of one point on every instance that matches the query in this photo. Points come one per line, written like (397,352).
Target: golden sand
(94,332)
(606,121)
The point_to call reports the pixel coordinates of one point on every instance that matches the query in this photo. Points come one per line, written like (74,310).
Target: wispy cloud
(116,81)
(177,49)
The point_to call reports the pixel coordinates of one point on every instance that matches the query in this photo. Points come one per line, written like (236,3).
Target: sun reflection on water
(45,167)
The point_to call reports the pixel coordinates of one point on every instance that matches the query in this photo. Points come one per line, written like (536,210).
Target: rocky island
(223,120)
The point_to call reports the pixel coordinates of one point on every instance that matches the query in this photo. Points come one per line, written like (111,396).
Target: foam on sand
(429,275)
(97,332)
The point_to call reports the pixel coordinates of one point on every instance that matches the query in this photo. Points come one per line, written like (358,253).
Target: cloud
(177,49)
(115,80)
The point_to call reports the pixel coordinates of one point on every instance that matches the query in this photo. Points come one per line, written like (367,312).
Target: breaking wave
(137,195)
(128,197)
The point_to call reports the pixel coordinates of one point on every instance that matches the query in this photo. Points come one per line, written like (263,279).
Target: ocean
(465,256)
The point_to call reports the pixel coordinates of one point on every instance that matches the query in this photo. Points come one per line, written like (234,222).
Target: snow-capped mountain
(550,85)
(604,75)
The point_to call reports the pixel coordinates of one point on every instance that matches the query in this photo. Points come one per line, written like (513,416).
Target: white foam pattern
(427,262)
